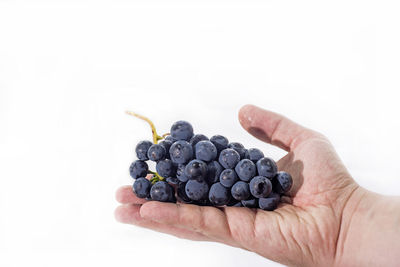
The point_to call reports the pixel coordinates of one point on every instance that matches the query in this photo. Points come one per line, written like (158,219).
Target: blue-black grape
(182,130)
(162,191)
(141,187)
(170,138)
(197,138)
(141,149)
(228,158)
(181,152)
(219,195)
(269,203)
(167,145)
(205,150)
(196,190)
(220,142)
(239,149)
(196,170)
(282,182)
(165,168)
(228,178)
(254,154)
(250,203)
(214,171)
(266,167)
(172,180)
(138,169)
(246,170)
(156,152)
(260,186)
(240,190)
(180,173)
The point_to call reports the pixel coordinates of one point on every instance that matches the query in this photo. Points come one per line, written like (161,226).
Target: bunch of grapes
(192,168)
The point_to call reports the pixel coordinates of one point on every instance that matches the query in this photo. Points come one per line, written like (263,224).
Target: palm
(304,230)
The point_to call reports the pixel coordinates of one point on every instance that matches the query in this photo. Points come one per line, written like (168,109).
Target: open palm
(305,230)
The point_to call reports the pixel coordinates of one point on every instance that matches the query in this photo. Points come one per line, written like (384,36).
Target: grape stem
(156,177)
(156,137)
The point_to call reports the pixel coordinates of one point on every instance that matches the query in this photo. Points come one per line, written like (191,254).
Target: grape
(141,149)
(266,167)
(138,169)
(206,151)
(172,180)
(167,145)
(250,203)
(219,195)
(214,171)
(156,152)
(182,130)
(165,168)
(170,138)
(254,154)
(197,138)
(228,158)
(220,142)
(180,173)
(282,182)
(239,148)
(196,190)
(269,203)
(228,177)
(240,190)
(260,186)
(162,191)
(182,193)
(141,187)
(196,170)
(245,169)
(181,152)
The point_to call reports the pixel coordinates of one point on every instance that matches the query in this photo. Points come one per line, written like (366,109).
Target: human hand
(310,228)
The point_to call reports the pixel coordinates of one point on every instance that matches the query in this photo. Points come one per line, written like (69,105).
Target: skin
(326,220)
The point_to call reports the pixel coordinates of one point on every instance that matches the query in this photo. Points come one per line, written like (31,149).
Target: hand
(310,228)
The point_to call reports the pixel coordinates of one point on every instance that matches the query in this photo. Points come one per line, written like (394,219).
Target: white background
(69,70)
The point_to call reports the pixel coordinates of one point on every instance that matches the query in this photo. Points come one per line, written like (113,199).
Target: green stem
(156,137)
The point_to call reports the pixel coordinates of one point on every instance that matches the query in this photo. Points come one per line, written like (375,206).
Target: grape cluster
(191,168)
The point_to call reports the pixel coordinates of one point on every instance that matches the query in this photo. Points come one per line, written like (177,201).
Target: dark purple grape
(138,169)
(228,178)
(219,195)
(180,173)
(228,158)
(266,167)
(182,130)
(239,148)
(246,170)
(156,152)
(141,187)
(180,191)
(167,145)
(269,203)
(220,142)
(181,152)
(196,190)
(172,180)
(250,203)
(254,154)
(162,191)
(197,138)
(260,186)
(196,170)
(214,171)
(141,149)
(205,151)
(165,168)
(170,138)
(240,190)
(282,182)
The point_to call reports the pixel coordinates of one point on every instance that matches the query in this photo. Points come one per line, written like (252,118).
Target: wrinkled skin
(325,220)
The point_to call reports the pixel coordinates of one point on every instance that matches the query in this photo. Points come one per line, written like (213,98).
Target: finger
(125,195)
(129,214)
(273,128)
(209,221)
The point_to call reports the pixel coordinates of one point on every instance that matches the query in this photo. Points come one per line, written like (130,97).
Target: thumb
(274,128)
